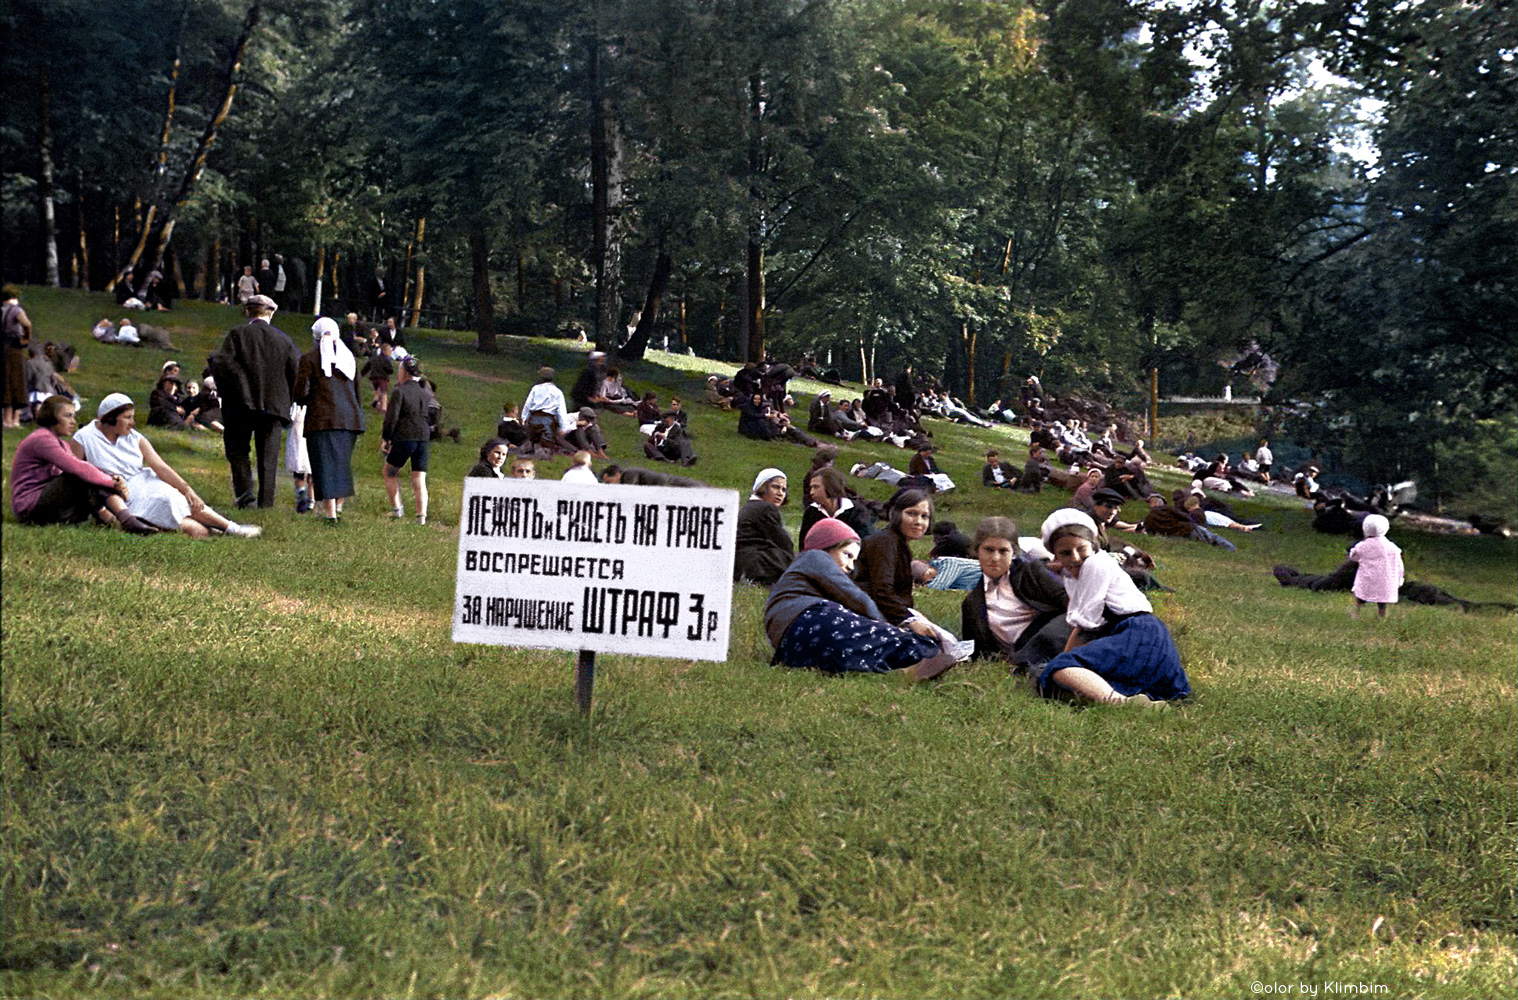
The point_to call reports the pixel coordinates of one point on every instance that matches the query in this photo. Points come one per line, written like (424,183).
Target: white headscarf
(1062,517)
(1375,526)
(115,401)
(759,483)
(334,352)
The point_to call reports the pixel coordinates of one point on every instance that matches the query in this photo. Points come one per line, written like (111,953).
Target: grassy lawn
(260,768)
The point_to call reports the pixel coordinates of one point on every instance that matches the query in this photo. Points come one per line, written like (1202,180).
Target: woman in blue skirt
(817,617)
(334,416)
(1119,652)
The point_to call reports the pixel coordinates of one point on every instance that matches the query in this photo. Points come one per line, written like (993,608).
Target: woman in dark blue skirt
(334,417)
(817,617)
(1118,652)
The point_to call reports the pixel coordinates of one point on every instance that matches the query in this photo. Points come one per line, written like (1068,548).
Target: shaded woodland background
(1093,190)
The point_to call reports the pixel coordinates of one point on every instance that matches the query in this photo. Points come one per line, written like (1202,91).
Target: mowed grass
(261,768)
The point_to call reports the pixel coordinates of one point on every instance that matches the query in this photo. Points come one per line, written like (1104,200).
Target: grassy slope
(262,768)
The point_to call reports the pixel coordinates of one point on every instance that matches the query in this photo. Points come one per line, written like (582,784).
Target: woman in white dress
(159,495)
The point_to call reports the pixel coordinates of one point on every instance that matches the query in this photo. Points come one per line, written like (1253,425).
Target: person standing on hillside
(334,417)
(247,285)
(379,296)
(906,395)
(407,437)
(17,329)
(255,375)
(1265,458)
(281,280)
(1381,573)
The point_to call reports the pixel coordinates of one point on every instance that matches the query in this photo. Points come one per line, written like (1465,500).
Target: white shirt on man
(549,398)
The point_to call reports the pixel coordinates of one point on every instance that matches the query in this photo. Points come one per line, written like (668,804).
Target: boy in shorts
(407,438)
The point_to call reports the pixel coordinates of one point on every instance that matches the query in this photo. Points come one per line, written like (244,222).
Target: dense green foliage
(1084,188)
(261,769)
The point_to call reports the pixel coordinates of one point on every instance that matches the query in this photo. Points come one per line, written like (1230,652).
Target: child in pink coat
(1380,574)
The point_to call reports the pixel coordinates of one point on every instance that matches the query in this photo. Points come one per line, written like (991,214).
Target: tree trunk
(413,247)
(1154,404)
(142,241)
(753,302)
(522,284)
(81,269)
(321,271)
(168,118)
(753,312)
(178,275)
(405,298)
(608,174)
(484,308)
(1151,336)
(637,344)
(46,207)
(207,137)
(970,366)
(211,283)
(421,273)
(416,300)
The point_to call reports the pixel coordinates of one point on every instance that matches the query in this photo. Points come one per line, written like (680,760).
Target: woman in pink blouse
(50,485)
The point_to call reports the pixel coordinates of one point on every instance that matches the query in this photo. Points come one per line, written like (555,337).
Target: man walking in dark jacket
(255,377)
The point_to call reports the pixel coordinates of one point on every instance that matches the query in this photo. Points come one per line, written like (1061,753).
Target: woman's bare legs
(1088,684)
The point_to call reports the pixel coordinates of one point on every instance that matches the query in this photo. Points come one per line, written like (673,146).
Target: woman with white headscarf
(334,417)
(763,547)
(1118,652)
(158,495)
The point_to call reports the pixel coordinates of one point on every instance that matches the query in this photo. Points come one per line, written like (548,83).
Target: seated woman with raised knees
(817,617)
(166,404)
(159,495)
(1017,609)
(52,485)
(763,547)
(885,558)
(1118,652)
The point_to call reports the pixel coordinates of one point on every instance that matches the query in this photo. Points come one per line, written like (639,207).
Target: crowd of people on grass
(1067,606)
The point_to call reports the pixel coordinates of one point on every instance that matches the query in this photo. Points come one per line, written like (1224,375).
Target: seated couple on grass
(846,606)
(1079,626)
(120,480)
(817,616)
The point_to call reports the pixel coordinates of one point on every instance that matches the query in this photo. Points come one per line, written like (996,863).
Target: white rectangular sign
(641,570)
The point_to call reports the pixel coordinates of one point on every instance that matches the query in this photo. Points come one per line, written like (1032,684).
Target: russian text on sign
(642,570)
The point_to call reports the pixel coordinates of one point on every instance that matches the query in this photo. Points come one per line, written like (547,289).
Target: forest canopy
(1089,189)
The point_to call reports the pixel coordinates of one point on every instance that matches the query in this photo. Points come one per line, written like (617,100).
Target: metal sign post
(585,679)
